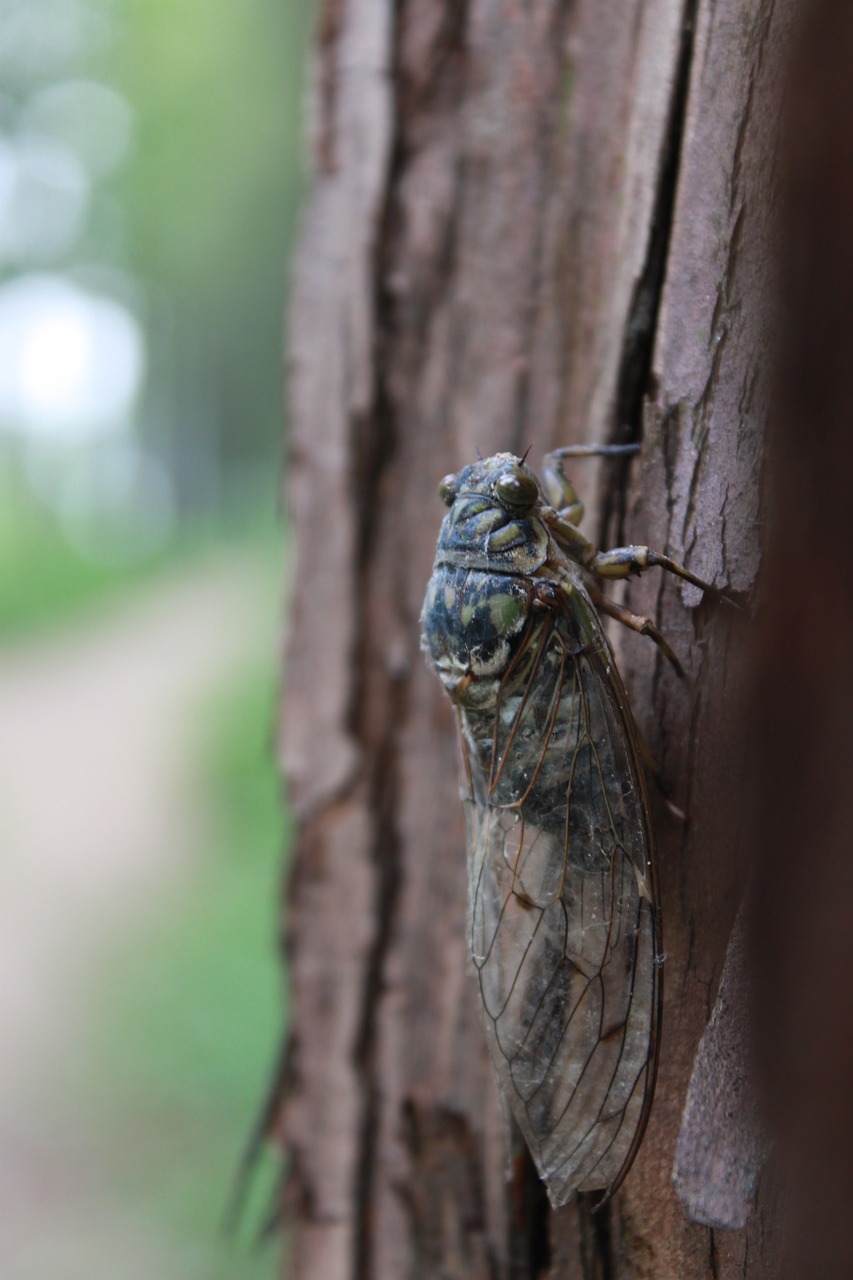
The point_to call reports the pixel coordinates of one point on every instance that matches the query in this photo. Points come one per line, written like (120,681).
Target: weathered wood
(698,495)
(524,219)
(722,1144)
(335,888)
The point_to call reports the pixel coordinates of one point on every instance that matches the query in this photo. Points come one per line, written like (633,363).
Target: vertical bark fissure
(712,1256)
(386,857)
(529,1247)
(540,1246)
(549,136)
(635,365)
(375,452)
(603,1241)
(595,1240)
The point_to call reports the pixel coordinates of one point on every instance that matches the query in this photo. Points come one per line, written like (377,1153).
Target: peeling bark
(530,224)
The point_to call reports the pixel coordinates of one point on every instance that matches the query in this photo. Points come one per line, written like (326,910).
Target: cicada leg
(644,626)
(619,562)
(639,623)
(623,562)
(559,490)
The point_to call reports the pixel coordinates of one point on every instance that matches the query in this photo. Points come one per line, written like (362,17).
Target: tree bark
(530,224)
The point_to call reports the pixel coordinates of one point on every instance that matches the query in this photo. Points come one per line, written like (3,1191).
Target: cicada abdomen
(563,922)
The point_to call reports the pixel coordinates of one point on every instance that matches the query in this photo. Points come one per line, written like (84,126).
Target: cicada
(563,920)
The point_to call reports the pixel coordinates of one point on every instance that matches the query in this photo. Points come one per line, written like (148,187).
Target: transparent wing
(562,912)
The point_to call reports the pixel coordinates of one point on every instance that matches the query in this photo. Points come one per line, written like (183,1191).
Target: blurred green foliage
(210,202)
(44,579)
(187,1027)
(207,205)
(199,224)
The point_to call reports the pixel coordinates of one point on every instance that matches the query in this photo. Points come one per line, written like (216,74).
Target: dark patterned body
(562,920)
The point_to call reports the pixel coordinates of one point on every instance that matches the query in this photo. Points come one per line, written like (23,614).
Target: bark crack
(548,139)
(635,364)
(375,444)
(386,859)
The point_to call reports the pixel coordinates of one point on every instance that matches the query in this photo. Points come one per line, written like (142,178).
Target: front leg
(559,490)
(624,562)
(619,562)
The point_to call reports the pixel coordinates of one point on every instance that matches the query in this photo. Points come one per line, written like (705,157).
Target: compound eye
(447,490)
(516,490)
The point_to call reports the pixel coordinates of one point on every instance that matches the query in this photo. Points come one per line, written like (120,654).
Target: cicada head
(493,522)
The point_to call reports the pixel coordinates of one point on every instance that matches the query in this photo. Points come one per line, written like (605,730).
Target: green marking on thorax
(506,611)
(504,537)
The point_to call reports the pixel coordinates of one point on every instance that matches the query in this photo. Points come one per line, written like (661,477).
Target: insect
(563,916)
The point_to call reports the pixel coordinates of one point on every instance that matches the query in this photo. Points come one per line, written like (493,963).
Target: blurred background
(150,178)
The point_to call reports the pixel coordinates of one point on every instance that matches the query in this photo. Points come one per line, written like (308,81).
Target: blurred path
(96,823)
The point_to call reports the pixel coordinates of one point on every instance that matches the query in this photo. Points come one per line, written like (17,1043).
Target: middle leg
(636,622)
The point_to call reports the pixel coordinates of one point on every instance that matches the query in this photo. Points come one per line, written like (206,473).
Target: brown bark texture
(530,224)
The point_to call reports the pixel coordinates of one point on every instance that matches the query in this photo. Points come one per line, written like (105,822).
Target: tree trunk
(531,224)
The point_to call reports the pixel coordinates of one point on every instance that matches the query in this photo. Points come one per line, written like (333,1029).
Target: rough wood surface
(698,495)
(525,219)
(722,1144)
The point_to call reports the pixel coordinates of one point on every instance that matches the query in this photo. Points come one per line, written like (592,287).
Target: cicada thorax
(473,623)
